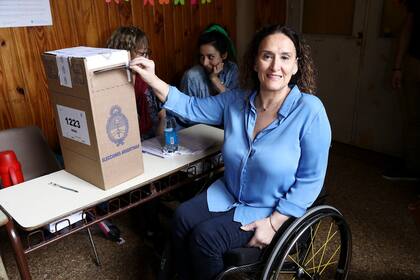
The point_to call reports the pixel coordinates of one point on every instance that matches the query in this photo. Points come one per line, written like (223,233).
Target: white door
(354,62)
(336,52)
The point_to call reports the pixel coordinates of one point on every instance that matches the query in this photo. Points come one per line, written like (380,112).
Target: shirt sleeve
(194,82)
(233,82)
(207,110)
(310,175)
(185,84)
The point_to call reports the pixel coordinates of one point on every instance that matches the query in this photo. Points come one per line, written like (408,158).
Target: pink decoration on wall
(193,2)
(163,2)
(151,2)
(116,1)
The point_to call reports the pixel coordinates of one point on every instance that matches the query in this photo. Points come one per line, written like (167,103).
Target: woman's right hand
(214,77)
(216,70)
(146,69)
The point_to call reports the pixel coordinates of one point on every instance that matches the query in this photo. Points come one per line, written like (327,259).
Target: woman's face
(210,57)
(276,62)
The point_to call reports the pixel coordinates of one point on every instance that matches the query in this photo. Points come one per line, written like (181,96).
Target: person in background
(275,150)
(406,81)
(217,71)
(150,114)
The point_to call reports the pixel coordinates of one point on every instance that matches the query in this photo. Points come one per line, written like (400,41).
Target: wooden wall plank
(35,89)
(15,109)
(169,47)
(270,12)
(172,31)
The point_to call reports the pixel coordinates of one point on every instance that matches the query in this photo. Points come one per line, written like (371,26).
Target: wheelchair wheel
(315,246)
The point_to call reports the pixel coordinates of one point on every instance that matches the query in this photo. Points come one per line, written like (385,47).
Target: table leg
(18,250)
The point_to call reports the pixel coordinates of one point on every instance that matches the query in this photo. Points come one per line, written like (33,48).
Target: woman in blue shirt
(276,143)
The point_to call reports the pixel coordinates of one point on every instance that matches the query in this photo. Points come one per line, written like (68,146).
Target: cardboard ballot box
(95,112)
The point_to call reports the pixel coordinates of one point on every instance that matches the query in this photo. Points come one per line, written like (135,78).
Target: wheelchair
(315,246)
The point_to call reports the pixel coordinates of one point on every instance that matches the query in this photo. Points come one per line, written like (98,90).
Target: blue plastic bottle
(171,138)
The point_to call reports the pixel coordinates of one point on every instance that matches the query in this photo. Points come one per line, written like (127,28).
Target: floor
(386,239)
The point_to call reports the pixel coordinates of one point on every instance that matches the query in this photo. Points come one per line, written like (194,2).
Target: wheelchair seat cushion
(242,256)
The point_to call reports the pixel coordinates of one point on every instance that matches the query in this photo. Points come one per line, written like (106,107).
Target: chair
(32,151)
(3,221)
(34,155)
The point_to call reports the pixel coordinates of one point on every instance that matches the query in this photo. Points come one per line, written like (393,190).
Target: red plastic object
(10,169)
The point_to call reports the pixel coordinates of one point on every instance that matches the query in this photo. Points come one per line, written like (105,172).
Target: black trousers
(201,237)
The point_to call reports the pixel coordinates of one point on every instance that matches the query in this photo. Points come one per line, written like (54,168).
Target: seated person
(217,71)
(150,114)
(276,142)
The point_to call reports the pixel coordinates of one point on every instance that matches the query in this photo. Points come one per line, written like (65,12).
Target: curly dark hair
(127,38)
(305,76)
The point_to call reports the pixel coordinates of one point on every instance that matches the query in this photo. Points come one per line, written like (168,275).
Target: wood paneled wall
(172,31)
(270,12)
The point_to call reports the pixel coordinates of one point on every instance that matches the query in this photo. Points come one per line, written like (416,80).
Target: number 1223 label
(73,124)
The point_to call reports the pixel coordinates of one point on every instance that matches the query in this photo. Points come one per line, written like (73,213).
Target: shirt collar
(288,104)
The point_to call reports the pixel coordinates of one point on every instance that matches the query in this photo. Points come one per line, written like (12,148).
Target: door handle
(359,37)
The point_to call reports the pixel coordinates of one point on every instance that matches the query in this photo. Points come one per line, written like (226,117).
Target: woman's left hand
(263,235)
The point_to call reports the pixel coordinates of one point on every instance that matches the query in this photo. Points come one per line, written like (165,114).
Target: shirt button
(251,153)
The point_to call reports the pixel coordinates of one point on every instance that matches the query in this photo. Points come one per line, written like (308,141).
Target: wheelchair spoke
(311,245)
(312,269)
(322,247)
(298,264)
(325,247)
(329,261)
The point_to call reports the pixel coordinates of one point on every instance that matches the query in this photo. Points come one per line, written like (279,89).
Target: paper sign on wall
(25,13)
(73,124)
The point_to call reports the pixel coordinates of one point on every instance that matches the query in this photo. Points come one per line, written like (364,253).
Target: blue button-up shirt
(282,169)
